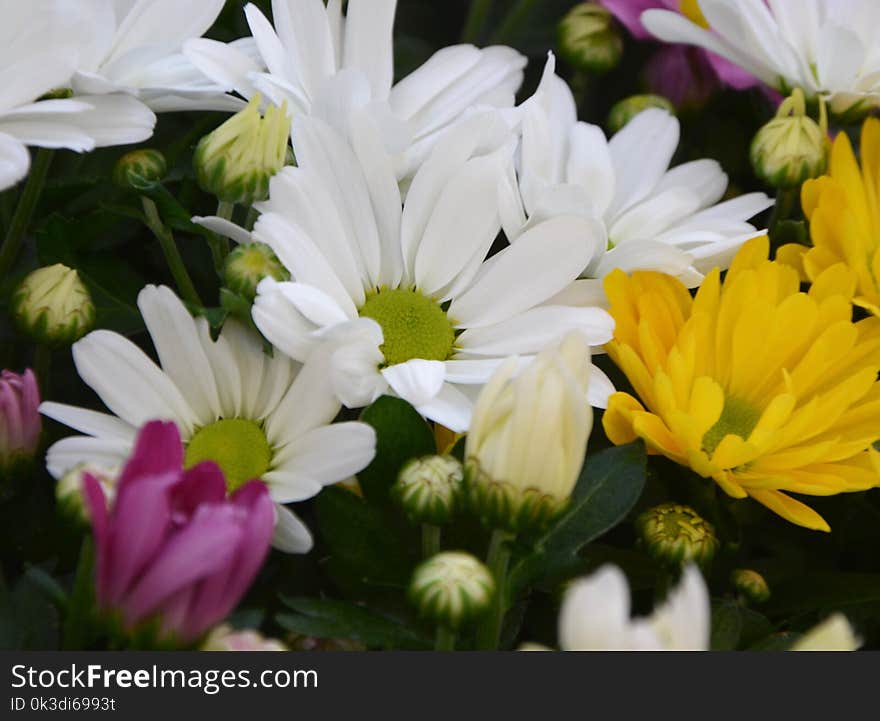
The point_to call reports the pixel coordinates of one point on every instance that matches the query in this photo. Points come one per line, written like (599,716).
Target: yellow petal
(791,510)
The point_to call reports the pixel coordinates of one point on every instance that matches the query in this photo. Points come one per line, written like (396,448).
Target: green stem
(220,245)
(78,617)
(476,20)
(515,19)
(785,200)
(172,254)
(27,203)
(445,639)
(225,210)
(430,540)
(497,559)
(42,367)
(251,219)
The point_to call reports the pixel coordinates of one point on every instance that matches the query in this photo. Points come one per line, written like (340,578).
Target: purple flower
(680,73)
(173,546)
(19,416)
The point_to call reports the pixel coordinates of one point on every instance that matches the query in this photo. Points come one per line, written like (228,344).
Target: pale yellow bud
(53,306)
(237,160)
(226,638)
(528,437)
(69,494)
(452,588)
(588,38)
(833,634)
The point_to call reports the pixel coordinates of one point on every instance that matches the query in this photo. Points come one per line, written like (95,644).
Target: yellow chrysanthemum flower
(843,208)
(752,383)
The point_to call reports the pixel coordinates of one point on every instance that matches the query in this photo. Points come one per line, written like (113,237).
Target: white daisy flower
(825,47)
(651,217)
(38,56)
(312,45)
(405,295)
(595,616)
(256,416)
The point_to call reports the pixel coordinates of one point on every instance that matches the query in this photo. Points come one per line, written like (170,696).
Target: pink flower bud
(19,416)
(173,547)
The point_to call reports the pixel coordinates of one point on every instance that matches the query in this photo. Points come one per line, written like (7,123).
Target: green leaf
(726,626)
(401,435)
(368,543)
(325,618)
(610,484)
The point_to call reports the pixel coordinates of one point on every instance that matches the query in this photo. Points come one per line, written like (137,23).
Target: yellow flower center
(691,10)
(237,445)
(413,325)
(737,418)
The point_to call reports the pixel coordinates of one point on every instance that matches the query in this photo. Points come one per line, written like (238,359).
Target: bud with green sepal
(674,534)
(247,265)
(625,110)
(792,147)
(428,489)
(589,40)
(450,590)
(750,584)
(138,167)
(53,306)
(236,161)
(69,489)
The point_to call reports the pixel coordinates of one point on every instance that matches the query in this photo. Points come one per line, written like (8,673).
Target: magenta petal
(158,449)
(219,594)
(140,521)
(30,400)
(731,74)
(198,550)
(203,483)
(681,74)
(96,507)
(629,12)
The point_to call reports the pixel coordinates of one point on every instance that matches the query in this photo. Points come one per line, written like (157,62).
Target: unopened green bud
(792,147)
(625,110)
(589,40)
(53,306)
(750,584)
(451,589)
(69,489)
(138,167)
(427,488)
(248,264)
(675,534)
(57,94)
(237,160)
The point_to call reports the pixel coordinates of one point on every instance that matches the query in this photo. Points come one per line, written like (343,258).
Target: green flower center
(413,325)
(737,418)
(237,445)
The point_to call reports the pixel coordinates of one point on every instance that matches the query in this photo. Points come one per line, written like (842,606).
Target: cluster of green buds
(625,110)
(452,589)
(675,535)
(237,160)
(792,147)
(588,39)
(249,264)
(428,489)
(53,306)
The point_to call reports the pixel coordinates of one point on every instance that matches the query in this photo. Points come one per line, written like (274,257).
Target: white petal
(115,120)
(683,622)
(533,330)
(93,423)
(304,29)
(368,42)
(128,382)
(450,408)
(70,452)
(416,381)
(600,389)
(539,265)
(291,534)
(282,324)
(223,227)
(224,64)
(330,454)
(174,335)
